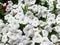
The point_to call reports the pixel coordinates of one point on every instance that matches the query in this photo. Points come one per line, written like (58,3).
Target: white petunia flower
(9,6)
(45,40)
(29,2)
(48,28)
(57,28)
(44,33)
(42,23)
(50,16)
(20,44)
(1,43)
(51,21)
(36,30)
(49,43)
(7,16)
(58,6)
(37,38)
(28,30)
(29,14)
(51,7)
(14,6)
(34,8)
(4,38)
(35,22)
(54,38)
(58,19)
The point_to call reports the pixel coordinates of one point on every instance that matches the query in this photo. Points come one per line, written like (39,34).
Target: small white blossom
(44,33)
(29,2)
(54,38)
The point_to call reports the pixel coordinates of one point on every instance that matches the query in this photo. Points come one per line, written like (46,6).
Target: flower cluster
(31,23)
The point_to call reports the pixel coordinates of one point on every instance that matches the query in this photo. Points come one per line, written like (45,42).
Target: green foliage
(15,1)
(2,13)
(38,2)
(54,10)
(22,26)
(2,1)
(37,43)
(25,9)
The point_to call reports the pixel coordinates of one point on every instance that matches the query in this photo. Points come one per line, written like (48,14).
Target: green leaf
(22,26)
(15,1)
(25,9)
(2,1)
(38,2)
(37,43)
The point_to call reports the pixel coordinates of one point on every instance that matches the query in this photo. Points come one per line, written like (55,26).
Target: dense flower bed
(30,22)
